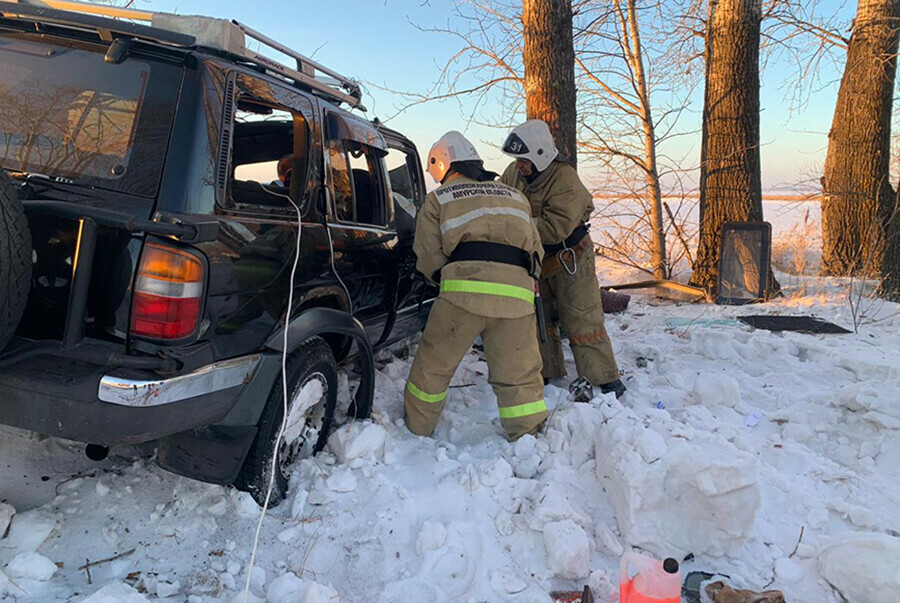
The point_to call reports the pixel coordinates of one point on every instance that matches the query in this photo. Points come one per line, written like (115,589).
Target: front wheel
(312,397)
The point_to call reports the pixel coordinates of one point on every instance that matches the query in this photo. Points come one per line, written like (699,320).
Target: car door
(414,295)
(360,219)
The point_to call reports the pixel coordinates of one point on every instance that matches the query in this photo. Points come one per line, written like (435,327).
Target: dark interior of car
(259,142)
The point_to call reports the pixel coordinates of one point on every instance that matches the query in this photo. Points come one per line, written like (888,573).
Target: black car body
(163,243)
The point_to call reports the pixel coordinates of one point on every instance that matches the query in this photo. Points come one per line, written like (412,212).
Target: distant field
(796,228)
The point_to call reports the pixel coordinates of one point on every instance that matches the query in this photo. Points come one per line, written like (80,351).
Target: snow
(358,441)
(432,536)
(116,592)
(30,566)
(568,549)
(695,496)
(863,567)
(769,457)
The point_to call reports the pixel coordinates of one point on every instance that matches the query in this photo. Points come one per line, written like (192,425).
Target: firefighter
(561,207)
(477,239)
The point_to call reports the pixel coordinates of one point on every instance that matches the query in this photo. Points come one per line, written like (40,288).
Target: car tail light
(168,293)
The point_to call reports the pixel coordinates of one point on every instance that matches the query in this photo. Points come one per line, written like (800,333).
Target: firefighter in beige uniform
(476,237)
(562,206)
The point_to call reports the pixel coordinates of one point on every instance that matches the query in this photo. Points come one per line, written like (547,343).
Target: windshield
(66,113)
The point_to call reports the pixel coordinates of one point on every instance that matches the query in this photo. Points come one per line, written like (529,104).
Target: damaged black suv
(152,178)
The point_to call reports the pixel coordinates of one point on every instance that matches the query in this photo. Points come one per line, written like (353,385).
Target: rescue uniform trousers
(514,367)
(574,301)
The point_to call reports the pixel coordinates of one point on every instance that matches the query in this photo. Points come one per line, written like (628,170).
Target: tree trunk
(651,169)
(858,197)
(549,58)
(890,286)
(730,181)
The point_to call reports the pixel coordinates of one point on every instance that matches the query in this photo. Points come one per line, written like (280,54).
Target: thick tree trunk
(730,181)
(549,58)
(858,197)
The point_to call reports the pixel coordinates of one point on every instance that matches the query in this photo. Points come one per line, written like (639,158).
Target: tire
(15,259)
(312,365)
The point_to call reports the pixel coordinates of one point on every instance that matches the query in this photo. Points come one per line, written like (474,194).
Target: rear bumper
(144,393)
(80,401)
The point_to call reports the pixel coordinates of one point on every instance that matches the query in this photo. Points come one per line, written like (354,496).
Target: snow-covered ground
(729,444)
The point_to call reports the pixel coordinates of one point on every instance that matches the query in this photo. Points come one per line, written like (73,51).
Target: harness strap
(571,241)
(483,251)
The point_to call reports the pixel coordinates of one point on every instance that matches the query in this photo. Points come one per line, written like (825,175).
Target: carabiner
(561,256)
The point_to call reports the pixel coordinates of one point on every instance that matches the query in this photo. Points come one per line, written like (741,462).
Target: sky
(380,43)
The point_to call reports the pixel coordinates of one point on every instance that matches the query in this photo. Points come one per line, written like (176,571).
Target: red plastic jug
(655,581)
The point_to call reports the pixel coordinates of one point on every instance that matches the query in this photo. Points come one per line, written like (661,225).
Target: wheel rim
(305,421)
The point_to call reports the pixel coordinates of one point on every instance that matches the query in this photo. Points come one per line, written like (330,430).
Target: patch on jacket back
(465,190)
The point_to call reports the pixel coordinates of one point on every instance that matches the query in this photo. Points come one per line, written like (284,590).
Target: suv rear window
(66,113)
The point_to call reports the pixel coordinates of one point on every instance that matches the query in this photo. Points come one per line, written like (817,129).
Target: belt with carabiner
(566,253)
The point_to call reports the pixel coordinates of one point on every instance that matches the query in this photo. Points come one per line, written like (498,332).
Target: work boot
(581,390)
(617,387)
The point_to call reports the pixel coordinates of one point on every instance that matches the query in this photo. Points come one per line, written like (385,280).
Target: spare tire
(15,259)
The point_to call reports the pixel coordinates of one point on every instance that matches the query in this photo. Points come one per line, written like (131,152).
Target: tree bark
(549,58)
(858,198)
(890,270)
(730,180)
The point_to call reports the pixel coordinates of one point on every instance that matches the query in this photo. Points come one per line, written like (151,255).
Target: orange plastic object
(655,581)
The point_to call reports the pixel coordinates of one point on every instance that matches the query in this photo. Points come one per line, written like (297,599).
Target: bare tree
(730,180)
(618,120)
(622,74)
(858,197)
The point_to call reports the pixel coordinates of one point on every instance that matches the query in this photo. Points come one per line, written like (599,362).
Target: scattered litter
(581,390)
(754,418)
(573,596)
(719,592)
(799,324)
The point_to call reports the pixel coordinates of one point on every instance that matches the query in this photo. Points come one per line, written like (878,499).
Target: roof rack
(223,35)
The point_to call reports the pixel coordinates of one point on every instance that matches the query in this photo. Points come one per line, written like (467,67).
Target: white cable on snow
(284,395)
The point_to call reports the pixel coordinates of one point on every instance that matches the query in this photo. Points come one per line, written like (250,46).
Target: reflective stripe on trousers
(498,289)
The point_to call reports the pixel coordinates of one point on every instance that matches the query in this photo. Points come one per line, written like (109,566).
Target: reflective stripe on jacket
(467,210)
(559,201)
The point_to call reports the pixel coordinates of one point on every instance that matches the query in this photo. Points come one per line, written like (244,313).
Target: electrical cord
(334,268)
(284,395)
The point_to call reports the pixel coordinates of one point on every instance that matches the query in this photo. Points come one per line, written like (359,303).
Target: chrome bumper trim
(206,380)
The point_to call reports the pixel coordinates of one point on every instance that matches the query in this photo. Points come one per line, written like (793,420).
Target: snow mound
(358,441)
(285,589)
(568,549)
(432,536)
(27,532)
(116,592)
(342,480)
(30,566)
(712,389)
(493,473)
(288,588)
(701,497)
(555,506)
(862,566)
(320,593)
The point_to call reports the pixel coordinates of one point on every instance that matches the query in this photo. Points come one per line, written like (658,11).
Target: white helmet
(451,147)
(532,141)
